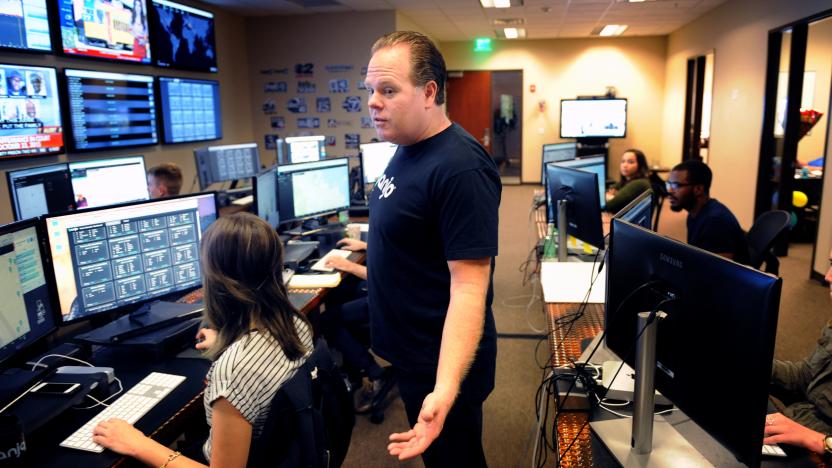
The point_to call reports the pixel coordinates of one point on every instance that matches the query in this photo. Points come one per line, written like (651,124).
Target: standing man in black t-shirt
(433,238)
(711,225)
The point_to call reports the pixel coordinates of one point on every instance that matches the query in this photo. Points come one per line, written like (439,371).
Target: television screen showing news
(30,114)
(107,29)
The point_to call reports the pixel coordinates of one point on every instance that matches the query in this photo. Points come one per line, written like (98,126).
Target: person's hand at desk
(351,244)
(205,338)
(781,429)
(342,264)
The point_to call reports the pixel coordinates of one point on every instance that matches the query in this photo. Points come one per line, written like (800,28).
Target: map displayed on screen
(183,37)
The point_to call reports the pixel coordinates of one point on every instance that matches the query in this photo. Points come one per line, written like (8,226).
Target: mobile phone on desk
(55,388)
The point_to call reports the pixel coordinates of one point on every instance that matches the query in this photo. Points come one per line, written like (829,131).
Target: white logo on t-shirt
(385,186)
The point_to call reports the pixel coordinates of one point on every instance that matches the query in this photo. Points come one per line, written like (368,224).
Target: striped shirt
(249,373)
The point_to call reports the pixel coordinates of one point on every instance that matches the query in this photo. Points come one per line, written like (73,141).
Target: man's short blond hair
(426,62)
(169,175)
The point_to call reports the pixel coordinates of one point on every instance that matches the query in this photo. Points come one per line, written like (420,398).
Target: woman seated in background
(256,339)
(633,181)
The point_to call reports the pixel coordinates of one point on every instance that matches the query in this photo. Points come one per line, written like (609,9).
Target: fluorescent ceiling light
(613,30)
(495,3)
(511,33)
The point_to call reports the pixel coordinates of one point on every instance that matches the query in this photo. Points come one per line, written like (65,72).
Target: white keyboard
(130,407)
(320,265)
(773,450)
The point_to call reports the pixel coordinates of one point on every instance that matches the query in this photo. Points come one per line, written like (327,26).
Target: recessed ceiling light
(495,3)
(613,30)
(511,33)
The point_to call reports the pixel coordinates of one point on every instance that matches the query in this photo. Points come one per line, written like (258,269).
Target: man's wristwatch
(827,444)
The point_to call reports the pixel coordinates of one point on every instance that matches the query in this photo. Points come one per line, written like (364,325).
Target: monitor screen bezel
(53,283)
(626,111)
(50,13)
(88,161)
(10,185)
(590,219)
(287,168)
(635,202)
(202,184)
(256,205)
(58,34)
(162,118)
(543,161)
(155,33)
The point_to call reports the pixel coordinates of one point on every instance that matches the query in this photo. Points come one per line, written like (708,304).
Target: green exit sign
(482,44)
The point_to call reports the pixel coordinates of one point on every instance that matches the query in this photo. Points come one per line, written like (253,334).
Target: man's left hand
(428,427)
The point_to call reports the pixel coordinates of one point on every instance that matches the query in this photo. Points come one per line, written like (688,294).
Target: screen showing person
(111,109)
(36,191)
(107,258)
(30,115)
(312,189)
(24,25)
(374,159)
(190,110)
(108,181)
(588,118)
(107,29)
(182,36)
(27,309)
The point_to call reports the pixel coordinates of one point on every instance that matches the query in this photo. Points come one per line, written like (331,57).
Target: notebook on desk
(569,282)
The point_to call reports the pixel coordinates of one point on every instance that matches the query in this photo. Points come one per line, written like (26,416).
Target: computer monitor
(182,36)
(596,164)
(190,110)
(105,259)
(556,152)
(301,149)
(27,314)
(110,110)
(715,347)
(111,30)
(24,25)
(265,196)
(593,118)
(308,190)
(639,211)
(579,189)
(104,182)
(39,190)
(374,159)
(224,163)
(30,112)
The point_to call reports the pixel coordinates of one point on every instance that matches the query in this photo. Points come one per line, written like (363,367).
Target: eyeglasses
(673,185)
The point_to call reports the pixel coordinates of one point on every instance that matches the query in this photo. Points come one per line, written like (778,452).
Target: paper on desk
(330,280)
(569,282)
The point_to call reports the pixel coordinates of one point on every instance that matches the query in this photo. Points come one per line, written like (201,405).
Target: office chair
(659,195)
(764,233)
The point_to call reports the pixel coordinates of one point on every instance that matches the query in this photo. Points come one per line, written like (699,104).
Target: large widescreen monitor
(36,191)
(182,36)
(105,182)
(556,152)
(27,314)
(106,29)
(308,190)
(593,118)
(190,110)
(579,189)
(596,164)
(718,311)
(304,149)
(110,110)
(374,159)
(24,25)
(107,258)
(225,163)
(30,113)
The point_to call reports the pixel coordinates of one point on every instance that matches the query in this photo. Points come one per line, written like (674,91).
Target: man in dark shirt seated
(711,225)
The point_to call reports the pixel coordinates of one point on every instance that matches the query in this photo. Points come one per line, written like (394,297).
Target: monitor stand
(143,321)
(562,226)
(642,441)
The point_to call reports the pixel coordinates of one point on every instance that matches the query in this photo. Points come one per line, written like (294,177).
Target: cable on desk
(97,401)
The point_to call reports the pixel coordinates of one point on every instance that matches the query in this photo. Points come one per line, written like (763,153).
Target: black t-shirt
(437,201)
(715,229)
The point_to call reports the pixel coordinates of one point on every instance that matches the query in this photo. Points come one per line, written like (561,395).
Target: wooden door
(469,103)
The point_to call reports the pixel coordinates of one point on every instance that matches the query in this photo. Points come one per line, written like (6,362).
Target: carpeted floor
(509,411)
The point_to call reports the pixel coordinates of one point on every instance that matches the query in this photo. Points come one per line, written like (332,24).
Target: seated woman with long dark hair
(256,339)
(633,181)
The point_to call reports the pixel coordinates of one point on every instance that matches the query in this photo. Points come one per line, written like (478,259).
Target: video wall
(104,110)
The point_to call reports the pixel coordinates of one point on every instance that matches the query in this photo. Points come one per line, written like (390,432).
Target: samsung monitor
(265,196)
(190,110)
(579,189)
(225,163)
(24,25)
(718,312)
(105,259)
(26,315)
(312,189)
(374,159)
(302,149)
(30,112)
(639,211)
(593,118)
(105,29)
(182,36)
(104,182)
(110,110)
(40,190)
(596,164)
(556,152)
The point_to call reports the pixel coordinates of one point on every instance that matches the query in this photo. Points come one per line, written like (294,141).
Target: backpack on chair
(311,418)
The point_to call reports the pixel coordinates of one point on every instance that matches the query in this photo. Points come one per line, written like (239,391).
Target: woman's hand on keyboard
(119,436)
(205,338)
(351,244)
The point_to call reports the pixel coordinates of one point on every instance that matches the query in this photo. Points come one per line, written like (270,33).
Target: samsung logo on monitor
(670,260)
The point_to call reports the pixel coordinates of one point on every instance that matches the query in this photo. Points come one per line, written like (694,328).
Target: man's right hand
(351,244)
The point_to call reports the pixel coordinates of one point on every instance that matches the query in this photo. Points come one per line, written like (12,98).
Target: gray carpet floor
(509,412)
